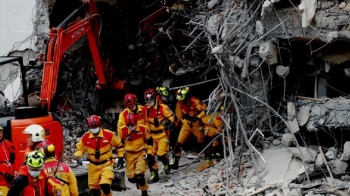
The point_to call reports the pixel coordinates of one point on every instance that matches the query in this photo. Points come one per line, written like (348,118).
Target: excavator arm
(64,36)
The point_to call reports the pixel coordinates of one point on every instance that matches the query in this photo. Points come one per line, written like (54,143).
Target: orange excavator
(61,38)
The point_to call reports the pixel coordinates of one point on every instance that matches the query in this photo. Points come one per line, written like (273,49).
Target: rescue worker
(135,138)
(33,181)
(164,96)
(98,143)
(212,126)
(158,118)
(61,171)
(189,110)
(130,102)
(36,134)
(7,158)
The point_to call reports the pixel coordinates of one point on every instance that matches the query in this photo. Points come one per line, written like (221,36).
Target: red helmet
(46,147)
(130,99)
(94,121)
(150,94)
(130,119)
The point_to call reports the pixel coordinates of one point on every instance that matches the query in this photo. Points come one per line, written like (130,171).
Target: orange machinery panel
(53,131)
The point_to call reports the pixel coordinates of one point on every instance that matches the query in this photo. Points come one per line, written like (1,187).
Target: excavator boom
(64,36)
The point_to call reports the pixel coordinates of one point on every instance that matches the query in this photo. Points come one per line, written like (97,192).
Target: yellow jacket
(137,140)
(192,107)
(122,116)
(64,174)
(216,121)
(104,141)
(160,111)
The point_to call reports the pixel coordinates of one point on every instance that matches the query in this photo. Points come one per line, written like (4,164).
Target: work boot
(154,177)
(166,168)
(207,158)
(174,163)
(144,193)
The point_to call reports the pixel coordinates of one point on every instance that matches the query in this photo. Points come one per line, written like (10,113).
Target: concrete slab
(280,166)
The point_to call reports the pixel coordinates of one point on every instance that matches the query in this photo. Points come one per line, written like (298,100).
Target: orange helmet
(130,99)
(94,121)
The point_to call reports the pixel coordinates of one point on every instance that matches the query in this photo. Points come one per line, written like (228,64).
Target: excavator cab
(17,118)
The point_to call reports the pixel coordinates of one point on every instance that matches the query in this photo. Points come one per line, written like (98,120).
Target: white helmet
(37,132)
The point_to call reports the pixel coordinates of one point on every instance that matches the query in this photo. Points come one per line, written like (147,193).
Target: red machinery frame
(64,36)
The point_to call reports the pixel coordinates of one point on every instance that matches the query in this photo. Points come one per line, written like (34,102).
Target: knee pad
(132,180)
(163,158)
(177,148)
(95,192)
(140,179)
(106,188)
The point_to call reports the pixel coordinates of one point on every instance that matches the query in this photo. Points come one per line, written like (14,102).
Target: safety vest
(134,141)
(63,173)
(39,186)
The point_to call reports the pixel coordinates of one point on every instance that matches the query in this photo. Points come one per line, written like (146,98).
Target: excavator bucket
(118,183)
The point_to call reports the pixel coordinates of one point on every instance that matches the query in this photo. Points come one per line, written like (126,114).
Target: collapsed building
(280,69)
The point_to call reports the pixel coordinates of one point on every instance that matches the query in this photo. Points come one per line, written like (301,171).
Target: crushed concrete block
(266,8)
(291,110)
(287,140)
(268,52)
(331,153)
(332,36)
(347,72)
(346,151)
(292,192)
(303,115)
(309,8)
(307,154)
(294,125)
(342,5)
(319,160)
(282,71)
(217,50)
(337,183)
(347,7)
(236,61)
(327,67)
(212,3)
(259,28)
(213,24)
(316,110)
(327,4)
(276,142)
(338,167)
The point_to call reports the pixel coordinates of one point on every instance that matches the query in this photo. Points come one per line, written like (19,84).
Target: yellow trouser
(136,164)
(160,146)
(211,132)
(100,174)
(4,190)
(188,128)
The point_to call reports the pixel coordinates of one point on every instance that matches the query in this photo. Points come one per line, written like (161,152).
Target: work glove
(79,161)
(166,124)
(120,163)
(150,160)
(186,116)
